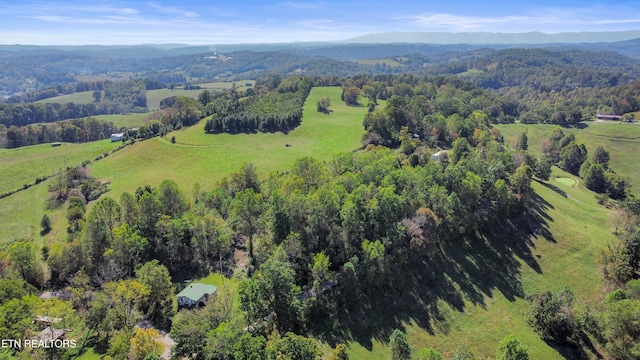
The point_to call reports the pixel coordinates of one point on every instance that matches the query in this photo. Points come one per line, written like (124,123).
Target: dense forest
(279,109)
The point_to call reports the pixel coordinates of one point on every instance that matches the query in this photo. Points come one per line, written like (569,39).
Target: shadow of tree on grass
(423,289)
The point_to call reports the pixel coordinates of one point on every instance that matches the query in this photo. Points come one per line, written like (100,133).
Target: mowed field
(23,165)
(206,158)
(126,120)
(196,157)
(622,140)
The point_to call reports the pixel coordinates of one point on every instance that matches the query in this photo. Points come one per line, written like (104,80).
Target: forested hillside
(431,220)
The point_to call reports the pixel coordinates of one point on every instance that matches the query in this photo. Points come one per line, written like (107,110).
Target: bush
(551,315)
(510,348)
(45,223)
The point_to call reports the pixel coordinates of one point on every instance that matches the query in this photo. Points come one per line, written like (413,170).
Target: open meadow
(126,120)
(196,157)
(622,140)
(206,158)
(23,165)
(153,96)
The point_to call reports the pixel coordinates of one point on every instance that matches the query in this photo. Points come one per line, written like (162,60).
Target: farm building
(608,117)
(195,294)
(437,155)
(117,137)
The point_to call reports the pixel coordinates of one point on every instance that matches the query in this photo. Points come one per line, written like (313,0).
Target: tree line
(73,131)
(119,97)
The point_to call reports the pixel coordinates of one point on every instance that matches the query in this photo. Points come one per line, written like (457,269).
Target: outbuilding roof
(196,291)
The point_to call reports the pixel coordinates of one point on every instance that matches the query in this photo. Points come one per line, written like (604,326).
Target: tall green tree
(523,142)
(158,305)
(601,156)
(246,209)
(400,349)
(294,347)
(595,179)
(272,295)
(173,200)
(23,260)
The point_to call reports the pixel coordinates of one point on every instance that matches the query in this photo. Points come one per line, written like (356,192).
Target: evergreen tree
(400,349)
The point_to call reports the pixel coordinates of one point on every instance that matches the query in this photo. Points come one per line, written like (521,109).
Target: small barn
(117,137)
(608,117)
(195,294)
(437,155)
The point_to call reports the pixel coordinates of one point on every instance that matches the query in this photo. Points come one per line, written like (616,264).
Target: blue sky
(66,22)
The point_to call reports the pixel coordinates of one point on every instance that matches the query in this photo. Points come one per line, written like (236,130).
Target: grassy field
(576,224)
(153,96)
(127,120)
(206,158)
(620,139)
(389,62)
(84,97)
(196,157)
(21,213)
(579,229)
(23,165)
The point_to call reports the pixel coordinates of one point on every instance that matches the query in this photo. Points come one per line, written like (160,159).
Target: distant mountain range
(380,45)
(495,38)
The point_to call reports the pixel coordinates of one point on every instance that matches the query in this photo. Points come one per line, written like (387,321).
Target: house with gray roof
(195,294)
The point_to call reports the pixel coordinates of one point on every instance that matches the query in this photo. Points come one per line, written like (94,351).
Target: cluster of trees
(509,348)
(74,183)
(104,316)
(57,90)
(434,109)
(547,70)
(323,105)
(277,110)
(598,176)
(77,130)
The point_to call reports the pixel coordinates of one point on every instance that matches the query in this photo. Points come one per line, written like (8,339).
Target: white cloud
(542,19)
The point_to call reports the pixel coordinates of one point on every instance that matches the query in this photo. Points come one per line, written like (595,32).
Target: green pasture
(622,140)
(206,158)
(83,97)
(574,225)
(220,85)
(373,62)
(196,157)
(20,213)
(155,96)
(579,229)
(126,120)
(23,165)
